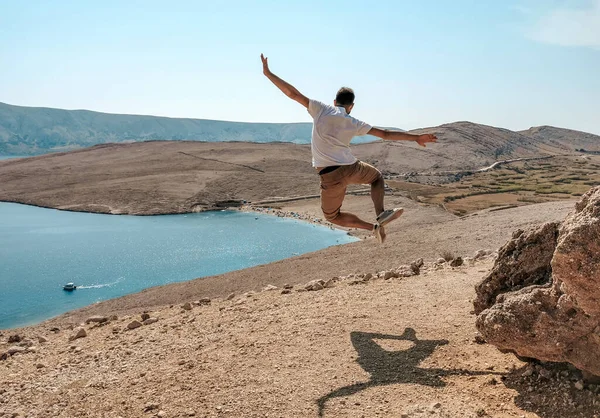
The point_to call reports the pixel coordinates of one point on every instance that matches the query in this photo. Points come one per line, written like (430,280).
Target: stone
(528,371)
(145,316)
(286,291)
(542,298)
(405,271)
(288,286)
(314,285)
(97,319)
(416,265)
(4,356)
(204,301)
(187,306)
(15,338)
(579,385)
(26,343)
(329,283)
(389,275)
(231,296)
(440,260)
(151,407)
(78,332)
(457,262)
(269,287)
(42,339)
(418,262)
(134,324)
(150,320)
(368,277)
(15,349)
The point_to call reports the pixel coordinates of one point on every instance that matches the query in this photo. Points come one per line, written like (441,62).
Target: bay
(108,256)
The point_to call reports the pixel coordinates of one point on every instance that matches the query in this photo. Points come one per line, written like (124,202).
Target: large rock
(523,261)
(576,260)
(542,298)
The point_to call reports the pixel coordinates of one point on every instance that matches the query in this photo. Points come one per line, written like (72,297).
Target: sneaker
(379,232)
(389,215)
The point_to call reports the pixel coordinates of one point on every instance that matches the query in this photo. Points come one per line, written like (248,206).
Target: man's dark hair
(344,96)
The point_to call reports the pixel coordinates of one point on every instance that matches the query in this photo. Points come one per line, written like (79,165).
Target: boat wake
(99,286)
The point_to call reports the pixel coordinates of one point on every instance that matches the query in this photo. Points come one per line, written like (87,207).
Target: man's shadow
(390,367)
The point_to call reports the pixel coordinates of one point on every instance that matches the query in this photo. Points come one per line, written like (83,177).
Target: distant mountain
(38,130)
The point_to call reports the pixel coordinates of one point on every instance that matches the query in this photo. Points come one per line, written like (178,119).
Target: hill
(467,146)
(565,138)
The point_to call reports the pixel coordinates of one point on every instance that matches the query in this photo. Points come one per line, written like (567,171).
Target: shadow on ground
(393,367)
(552,396)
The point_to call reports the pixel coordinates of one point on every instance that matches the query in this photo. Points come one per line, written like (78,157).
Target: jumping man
(333,129)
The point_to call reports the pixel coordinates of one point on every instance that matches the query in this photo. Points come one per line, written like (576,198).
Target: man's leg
(364,173)
(333,192)
(377,194)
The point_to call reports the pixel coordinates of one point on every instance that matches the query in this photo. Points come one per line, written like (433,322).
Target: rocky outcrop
(523,261)
(542,298)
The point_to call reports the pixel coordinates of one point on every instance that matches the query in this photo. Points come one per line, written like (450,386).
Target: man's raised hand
(265,62)
(425,138)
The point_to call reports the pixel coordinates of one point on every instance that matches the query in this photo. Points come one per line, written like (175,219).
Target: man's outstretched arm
(289,90)
(402,136)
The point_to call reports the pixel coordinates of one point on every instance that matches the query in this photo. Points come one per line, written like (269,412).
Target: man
(333,129)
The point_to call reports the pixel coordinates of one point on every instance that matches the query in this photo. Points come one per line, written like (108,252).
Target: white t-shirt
(333,129)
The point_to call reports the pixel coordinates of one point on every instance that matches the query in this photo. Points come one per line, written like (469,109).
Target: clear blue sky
(511,63)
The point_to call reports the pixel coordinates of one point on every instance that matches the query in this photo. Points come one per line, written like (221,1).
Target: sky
(511,63)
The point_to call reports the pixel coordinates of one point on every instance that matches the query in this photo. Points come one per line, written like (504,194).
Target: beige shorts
(333,185)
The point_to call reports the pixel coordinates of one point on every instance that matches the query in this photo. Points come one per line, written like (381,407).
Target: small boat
(69,287)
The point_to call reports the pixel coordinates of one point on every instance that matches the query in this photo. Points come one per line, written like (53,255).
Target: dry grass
(519,183)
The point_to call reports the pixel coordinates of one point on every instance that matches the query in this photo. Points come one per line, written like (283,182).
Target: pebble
(134,324)
(97,319)
(15,349)
(78,332)
(187,306)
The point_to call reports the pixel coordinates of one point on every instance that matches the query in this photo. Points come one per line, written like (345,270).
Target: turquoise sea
(108,256)
(7,157)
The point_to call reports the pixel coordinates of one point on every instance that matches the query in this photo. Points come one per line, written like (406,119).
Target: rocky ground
(371,344)
(404,346)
